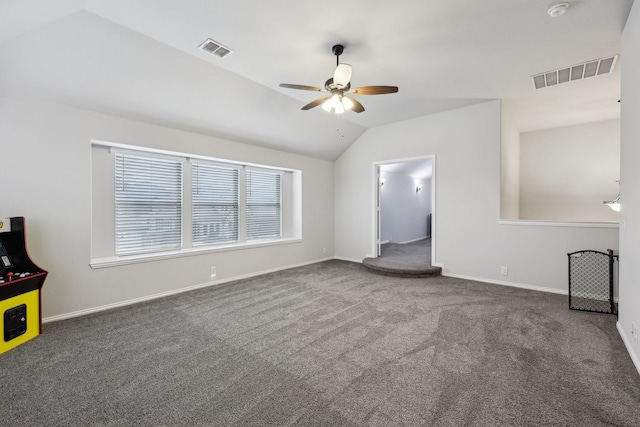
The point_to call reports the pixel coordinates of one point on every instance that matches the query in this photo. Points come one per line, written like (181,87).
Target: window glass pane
(148,204)
(263,205)
(215,204)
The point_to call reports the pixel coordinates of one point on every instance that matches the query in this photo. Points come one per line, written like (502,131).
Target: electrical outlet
(324,250)
(213,272)
(504,270)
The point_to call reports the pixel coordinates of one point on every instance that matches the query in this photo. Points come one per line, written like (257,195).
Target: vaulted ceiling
(139,59)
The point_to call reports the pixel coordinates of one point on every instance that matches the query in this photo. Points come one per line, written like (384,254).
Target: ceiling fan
(338,87)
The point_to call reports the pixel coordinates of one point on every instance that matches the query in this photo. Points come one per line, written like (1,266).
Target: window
(263,205)
(152,204)
(148,204)
(215,204)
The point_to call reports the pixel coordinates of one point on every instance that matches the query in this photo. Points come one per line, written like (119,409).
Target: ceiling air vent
(596,67)
(215,48)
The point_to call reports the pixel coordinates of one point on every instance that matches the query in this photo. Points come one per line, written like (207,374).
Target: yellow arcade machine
(20,286)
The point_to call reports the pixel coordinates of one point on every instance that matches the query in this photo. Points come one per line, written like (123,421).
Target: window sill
(140,258)
(541,223)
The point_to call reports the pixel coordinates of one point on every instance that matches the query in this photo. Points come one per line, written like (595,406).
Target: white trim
(139,149)
(627,343)
(155,256)
(376,202)
(174,292)
(357,261)
(483,280)
(145,154)
(215,163)
(611,224)
(510,284)
(500,282)
(413,240)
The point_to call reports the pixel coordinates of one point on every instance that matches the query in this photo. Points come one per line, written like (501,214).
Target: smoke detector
(557,9)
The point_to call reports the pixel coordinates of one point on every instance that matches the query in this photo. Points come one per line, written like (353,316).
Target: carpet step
(400,269)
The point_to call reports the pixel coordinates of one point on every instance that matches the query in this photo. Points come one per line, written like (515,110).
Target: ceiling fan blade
(357,107)
(374,90)
(315,103)
(301,87)
(342,75)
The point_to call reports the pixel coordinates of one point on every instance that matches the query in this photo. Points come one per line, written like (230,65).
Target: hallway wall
(403,210)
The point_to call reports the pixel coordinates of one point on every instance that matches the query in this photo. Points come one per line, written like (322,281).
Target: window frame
(172,241)
(102,256)
(237,204)
(248,235)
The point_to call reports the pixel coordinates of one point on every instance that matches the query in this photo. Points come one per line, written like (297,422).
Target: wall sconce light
(418,188)
(615,203)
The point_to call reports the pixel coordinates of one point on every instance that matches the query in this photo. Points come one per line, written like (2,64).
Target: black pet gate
(591,281)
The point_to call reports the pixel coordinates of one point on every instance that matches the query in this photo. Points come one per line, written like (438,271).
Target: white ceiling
(140,59)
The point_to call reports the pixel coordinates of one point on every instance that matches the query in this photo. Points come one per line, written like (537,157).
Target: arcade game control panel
(21,283)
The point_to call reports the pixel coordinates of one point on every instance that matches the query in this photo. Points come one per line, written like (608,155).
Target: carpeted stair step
(386,267)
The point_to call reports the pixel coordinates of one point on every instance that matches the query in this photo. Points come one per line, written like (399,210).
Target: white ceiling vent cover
(596,67)
(215,48)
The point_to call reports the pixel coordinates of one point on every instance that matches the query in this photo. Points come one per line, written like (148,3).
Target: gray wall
(470,241)
(510,164)
(629,306)
(49,182)
(566,173)
(403,211)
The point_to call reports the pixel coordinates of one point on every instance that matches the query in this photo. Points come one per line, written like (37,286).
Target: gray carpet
(404,260)
(327,345)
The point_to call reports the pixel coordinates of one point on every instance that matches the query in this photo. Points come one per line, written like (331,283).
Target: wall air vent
(215,48)
(596,67)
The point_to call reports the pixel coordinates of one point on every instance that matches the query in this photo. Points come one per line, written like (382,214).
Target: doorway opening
(404,216)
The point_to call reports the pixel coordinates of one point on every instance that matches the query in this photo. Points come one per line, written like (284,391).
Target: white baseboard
(511,284)
(494,282)
(359,261)
(627,344)
(519,285)
(259,273)
(413,240)
(100,308)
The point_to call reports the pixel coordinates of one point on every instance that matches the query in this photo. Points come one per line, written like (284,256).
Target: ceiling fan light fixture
(326,105)
(335,100)
(342,75)
(347,103)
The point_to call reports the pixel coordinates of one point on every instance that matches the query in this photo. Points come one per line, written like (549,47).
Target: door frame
(375,243)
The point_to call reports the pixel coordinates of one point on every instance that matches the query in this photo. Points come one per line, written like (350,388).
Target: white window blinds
(215,204)
(148,204)
(263,205)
